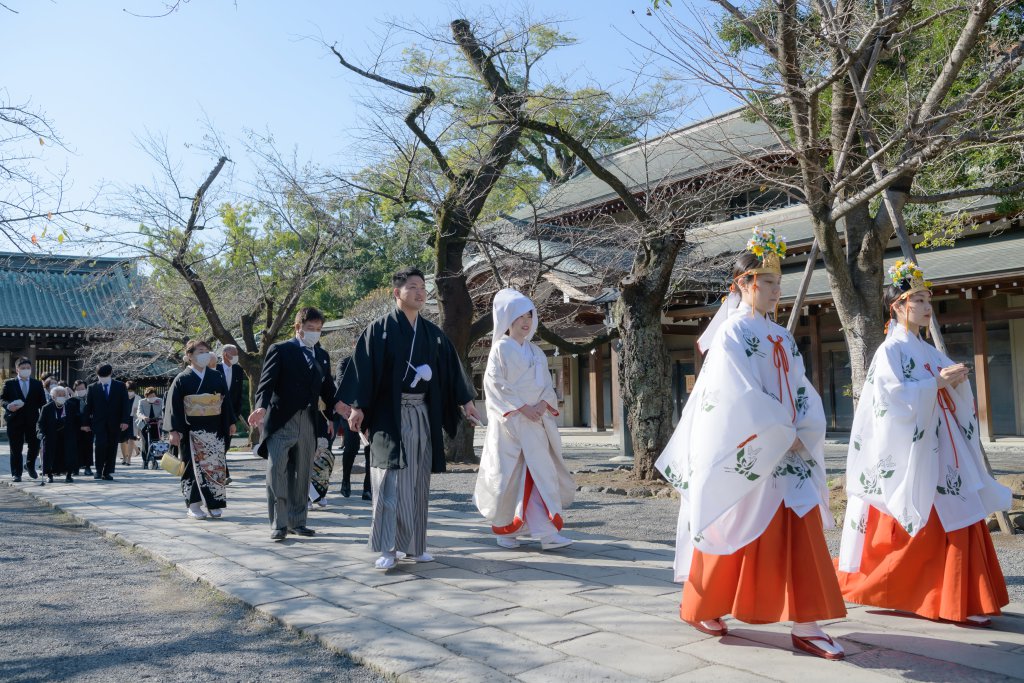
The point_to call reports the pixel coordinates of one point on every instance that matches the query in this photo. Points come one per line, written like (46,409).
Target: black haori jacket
(373,383)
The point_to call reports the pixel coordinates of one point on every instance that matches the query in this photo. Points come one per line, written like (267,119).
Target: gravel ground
(75,606)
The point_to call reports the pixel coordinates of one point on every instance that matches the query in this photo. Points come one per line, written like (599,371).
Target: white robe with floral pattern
(730,456)
(909,452)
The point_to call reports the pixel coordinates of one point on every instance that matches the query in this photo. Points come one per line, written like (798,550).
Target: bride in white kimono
(747,458)
(915,538)
(523,485)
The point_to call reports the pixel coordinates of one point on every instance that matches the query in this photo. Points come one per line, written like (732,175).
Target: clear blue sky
(104,77)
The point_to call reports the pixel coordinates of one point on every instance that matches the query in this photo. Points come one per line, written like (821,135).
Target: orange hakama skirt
(935,574)
(786,574)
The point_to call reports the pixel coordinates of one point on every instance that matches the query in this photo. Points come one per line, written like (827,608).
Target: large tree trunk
(645,367)
(858,300)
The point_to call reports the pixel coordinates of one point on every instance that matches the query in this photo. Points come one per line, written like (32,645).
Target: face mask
(25,373)
(81,393)
(60,400)
(310,338)
(203,359)
(131,394)
(105,380)
(151,399)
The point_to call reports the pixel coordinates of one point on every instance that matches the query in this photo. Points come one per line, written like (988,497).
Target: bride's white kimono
(519,456)
(912,448)
(730,456)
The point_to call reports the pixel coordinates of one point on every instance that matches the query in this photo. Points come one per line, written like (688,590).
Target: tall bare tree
(872,101)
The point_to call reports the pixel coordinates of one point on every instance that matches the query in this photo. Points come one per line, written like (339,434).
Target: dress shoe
(107,477)
(68,480)
(32,472)
(88,472)
(17,479)
(278,534)
(49,478)
(367,495)
(346,489)
(96,476)
(302,531)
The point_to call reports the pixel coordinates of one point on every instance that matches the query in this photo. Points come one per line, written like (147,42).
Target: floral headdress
(771,249)
(908,277)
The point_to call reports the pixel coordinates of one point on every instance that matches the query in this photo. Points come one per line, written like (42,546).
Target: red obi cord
(948,407)
(781,361)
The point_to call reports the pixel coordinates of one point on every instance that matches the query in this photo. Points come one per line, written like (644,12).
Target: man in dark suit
(233,378)
(107,415)
(22,399)
(296,378)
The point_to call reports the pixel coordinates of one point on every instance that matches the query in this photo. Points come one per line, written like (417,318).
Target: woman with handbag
(200,417)
(148,415)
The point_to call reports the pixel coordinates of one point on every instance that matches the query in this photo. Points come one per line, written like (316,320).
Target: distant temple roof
(64,292)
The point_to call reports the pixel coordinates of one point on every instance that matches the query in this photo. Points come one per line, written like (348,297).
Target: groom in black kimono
(404,385)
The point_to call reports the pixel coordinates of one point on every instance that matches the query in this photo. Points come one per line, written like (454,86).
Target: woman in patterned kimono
(919,492)
(523,484)
(748,461)
(200,416)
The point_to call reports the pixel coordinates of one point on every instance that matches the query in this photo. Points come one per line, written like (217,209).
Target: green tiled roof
(701,147)
(63,293)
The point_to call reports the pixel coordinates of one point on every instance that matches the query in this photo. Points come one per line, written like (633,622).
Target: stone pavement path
(602,610)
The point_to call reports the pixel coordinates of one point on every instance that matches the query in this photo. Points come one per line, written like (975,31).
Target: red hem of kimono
(518,522)
(785,574)
(935,574)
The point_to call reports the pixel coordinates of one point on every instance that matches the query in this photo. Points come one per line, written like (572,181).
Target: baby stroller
(156,450)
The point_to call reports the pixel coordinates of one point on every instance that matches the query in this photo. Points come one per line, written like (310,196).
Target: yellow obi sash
(203,405)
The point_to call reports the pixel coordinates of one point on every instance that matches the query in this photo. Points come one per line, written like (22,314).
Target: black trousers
(18,435)
(106,453)
(348,457)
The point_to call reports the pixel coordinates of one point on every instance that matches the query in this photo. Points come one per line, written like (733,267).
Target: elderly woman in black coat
(58,428)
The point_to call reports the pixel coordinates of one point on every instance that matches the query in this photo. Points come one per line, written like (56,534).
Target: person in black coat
(107,415)
(296,378)
(233,377)
(84,446)
(58,429)
(351,445)
(22,399)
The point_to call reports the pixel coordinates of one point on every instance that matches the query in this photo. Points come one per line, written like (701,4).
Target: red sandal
(806,644)
(718,632)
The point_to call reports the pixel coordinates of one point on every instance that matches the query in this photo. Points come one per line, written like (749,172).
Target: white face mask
(60,400)
(203,358)
(310,338)
(25,373)
(105,380)
(81,393)
(151,399)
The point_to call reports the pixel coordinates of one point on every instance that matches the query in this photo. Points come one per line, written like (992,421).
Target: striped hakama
(401,495)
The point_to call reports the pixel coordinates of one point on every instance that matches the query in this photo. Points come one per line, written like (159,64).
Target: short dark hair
(105,370)
(191,344)
(22,361)
(308,314)
(402,276)
(130,385)
(79,381)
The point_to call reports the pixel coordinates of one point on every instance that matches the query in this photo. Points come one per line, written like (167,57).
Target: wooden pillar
(597,390)
(981,370)
(616,392)
(817,371)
